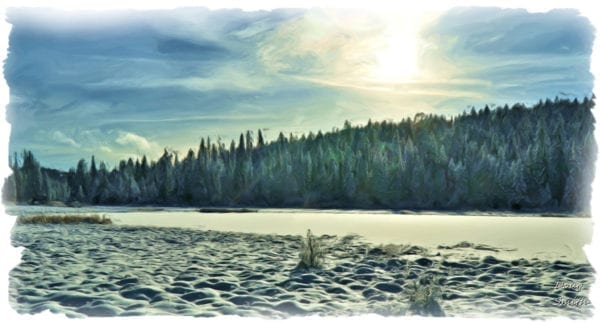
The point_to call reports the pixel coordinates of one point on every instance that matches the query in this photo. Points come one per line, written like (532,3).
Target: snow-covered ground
(526,236)
(180,261)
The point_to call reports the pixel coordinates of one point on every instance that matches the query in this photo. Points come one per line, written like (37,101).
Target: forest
(506,158)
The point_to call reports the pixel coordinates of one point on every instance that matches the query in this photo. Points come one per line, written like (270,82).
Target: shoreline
(254,209)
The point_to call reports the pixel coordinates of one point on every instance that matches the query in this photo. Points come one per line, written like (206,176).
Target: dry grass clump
(424,298)
(64,219)
(311,253)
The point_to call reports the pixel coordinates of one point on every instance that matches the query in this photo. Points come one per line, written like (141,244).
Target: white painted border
(10,256)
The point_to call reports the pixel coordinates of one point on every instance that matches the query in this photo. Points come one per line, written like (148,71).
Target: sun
(397,62)
(395,55)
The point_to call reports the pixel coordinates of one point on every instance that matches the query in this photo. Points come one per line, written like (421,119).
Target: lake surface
(526,235)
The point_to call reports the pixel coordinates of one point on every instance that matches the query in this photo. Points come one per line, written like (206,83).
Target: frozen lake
(526,235)
(184,262)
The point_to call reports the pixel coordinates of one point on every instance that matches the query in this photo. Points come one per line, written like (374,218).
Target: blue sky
(117,84)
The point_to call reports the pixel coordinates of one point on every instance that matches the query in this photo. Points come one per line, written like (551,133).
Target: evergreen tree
(504,158)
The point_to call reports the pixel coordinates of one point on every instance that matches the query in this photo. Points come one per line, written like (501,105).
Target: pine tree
(506,158)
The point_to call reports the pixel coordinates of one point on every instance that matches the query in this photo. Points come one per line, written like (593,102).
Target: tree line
(539,157)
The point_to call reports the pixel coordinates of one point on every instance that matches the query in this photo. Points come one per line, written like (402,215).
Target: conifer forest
(507,158)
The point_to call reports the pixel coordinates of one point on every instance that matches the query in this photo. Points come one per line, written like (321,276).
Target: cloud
(131,139)
(133,82)
(526,56)
(61,138)
(322,43)
(224,78)
(495,31)
(105,149)
(182,48)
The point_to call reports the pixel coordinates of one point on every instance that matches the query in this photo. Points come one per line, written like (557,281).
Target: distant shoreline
(255,209)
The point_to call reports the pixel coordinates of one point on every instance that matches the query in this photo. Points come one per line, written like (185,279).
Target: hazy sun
(396,53)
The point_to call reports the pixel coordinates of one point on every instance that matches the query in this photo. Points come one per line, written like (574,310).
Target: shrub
(64,219)
(311,252)
(424,298)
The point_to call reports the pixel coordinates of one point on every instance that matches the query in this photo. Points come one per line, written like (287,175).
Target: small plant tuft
(311,253)
(64,219)
(424,298)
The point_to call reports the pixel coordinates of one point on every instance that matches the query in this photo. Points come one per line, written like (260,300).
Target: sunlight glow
(398,61)
(397,54)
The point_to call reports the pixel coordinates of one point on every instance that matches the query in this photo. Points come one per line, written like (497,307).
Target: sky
(119,84)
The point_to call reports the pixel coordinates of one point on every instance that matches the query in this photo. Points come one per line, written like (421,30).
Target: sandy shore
(119,270)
